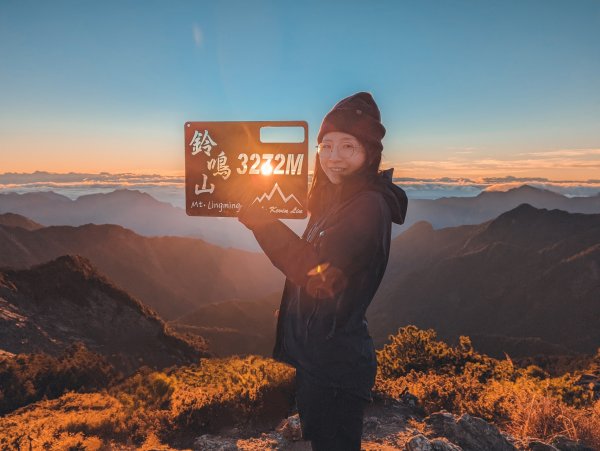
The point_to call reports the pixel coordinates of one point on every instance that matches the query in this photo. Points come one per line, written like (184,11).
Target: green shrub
(27,378)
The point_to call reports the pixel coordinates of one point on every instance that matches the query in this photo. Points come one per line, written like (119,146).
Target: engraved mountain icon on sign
(269,196)
(280,204)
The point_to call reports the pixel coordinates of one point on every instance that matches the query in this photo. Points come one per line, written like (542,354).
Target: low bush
(27,378)
(151,407)
(526,402)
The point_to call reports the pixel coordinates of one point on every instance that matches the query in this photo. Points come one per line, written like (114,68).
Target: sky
(467,90)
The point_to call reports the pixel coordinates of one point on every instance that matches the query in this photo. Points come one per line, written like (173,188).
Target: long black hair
(323,193)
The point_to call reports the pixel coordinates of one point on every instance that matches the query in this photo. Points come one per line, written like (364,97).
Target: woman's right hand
(252,214)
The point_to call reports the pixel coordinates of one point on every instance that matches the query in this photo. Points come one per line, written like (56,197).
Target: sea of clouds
(171,188)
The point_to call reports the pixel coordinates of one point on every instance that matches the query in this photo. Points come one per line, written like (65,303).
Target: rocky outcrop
(51,306)
(422,443)
(470,433)
(563,443)
(290,428)
(386,428)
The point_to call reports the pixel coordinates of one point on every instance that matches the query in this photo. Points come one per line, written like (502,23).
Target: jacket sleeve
(347,244)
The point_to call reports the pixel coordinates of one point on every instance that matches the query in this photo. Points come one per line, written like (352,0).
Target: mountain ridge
(516,275)
(173,275)
(51,306)
(15,220)
(147,216)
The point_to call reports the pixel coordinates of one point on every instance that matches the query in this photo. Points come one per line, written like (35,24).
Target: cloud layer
(575,164)
(172,188)
(164,188)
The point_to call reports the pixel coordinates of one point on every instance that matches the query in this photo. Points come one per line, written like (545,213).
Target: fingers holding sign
(252,214)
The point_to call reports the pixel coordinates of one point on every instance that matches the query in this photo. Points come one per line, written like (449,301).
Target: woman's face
(341,155)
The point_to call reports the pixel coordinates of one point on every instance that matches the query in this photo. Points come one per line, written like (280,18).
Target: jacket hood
(394,195)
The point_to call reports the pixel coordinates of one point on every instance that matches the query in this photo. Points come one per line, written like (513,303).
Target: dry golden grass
(152,408)
(160,409)
(524,402)
(221,392)
(51,424)
(533,411)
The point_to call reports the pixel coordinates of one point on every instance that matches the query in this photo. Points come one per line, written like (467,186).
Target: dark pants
(331,419)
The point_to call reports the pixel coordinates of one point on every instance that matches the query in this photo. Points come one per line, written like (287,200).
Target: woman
(333,272)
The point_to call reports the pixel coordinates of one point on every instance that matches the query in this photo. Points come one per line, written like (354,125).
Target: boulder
(418,443)
(535,445)
(563,443)
(421,443)
(443,445)
(290,429)
(208,442)
(371,424)
(470,433)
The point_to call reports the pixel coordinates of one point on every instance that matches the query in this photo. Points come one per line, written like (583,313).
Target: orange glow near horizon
(575,165)
(162,154)
(401,170)
(137,151)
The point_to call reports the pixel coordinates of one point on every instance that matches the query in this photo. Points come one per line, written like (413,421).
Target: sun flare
(266,169)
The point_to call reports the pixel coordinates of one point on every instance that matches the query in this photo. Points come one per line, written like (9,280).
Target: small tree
(412,349)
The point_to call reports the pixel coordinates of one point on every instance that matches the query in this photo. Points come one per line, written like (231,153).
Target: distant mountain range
(526,282)
(529,279)
(454,211)
(172,275)
(132,209)
(48,307)
(145,215)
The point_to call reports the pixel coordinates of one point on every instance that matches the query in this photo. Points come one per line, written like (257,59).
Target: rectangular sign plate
(225,161)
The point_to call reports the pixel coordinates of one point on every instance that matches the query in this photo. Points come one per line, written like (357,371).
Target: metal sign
(226,161)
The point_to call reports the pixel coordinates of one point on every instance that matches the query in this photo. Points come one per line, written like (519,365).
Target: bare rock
(535,445)
(563,443)
(418,443)
(371,424)
(290,428)
(209,442)
(443,445)
(408,399)
(421,443)
(471,433)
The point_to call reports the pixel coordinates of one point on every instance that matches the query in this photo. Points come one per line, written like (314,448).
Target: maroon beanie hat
(359,116)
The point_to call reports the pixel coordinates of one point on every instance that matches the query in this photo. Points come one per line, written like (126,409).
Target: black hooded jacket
(332,274)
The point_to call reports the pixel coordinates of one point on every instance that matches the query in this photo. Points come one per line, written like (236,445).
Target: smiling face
(334,163)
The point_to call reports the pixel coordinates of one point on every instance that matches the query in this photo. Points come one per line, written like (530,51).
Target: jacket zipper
(310,318)
(311,237)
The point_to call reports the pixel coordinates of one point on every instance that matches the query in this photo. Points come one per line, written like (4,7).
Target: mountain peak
(67,270)
(529,227)
(15,220)
(522,214)
(123,193)
(523,209)
(526,188)
(68,263)
(37,196)
(66,300)
(522,190)
(71,277)
(418,228)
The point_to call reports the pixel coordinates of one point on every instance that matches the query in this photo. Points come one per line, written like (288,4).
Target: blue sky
(475,88)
